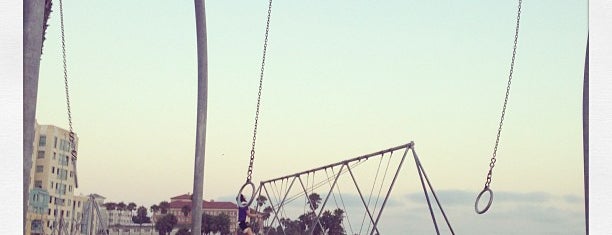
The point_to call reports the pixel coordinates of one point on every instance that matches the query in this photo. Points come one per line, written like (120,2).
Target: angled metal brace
(280,205)
(311,207)
(411,145)
(362,200)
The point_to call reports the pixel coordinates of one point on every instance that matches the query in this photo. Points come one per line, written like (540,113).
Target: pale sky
(342,79)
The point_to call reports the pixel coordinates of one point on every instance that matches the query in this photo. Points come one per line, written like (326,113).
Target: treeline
(166,222)
(330,222)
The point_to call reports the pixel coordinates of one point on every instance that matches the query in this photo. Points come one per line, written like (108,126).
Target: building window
(53,155)
(52,170)
(62,174)
(42,141)
(63,160)
(38,184)
(41,154)
(54,141)
(39,168)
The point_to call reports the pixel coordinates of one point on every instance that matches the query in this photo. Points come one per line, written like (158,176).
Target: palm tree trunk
(33,15)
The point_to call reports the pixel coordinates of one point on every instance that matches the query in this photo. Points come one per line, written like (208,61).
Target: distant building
(94,216)
(209,207)
(133,229)
(119,217)
(52,206)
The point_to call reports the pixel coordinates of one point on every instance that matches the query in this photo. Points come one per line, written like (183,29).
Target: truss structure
(282,193)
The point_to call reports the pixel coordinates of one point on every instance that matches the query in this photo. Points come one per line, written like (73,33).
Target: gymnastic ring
(240,193)
(486,189)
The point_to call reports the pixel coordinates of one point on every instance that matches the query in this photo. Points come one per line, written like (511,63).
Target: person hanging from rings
(243,212)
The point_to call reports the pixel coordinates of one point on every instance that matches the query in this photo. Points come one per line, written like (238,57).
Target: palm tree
(266,213)
(261,200)
(186,209)
(131,207)
(110,206)
(154,209)
(166,224)
(141,216)
(164,206)
(314,199)
(121,207)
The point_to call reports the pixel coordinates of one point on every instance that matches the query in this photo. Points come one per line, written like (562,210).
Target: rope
(341,200)
(319,184)
(306,199)
(312,190)
(370,196)
(381,186)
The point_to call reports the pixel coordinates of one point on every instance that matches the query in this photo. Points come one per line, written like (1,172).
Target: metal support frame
(421,175)
(92,211)
(363,200)
(312,207)
(281,202)
(391,187)
(374,216)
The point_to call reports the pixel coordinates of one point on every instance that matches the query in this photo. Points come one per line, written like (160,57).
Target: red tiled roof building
(208,207)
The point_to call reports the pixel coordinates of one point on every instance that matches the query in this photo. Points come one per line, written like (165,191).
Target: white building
(53,180)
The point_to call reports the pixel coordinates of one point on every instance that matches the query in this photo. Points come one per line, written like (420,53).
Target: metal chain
(71,135)
(261,75)
(503,113)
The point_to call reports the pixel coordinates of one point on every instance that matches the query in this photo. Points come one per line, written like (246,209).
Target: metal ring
(486,189)
(240,193)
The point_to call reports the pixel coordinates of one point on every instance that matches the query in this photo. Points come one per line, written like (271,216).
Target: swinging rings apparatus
(261,75)
(486,189)
(501,122)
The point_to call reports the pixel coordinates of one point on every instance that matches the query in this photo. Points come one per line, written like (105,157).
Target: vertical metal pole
(585,135)
(198,171)
(33,14)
